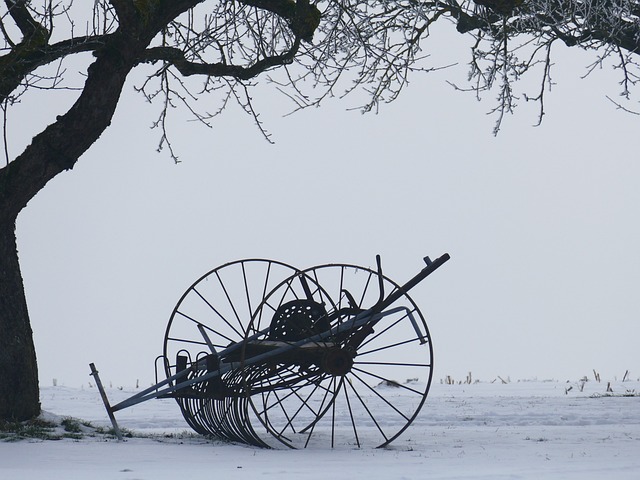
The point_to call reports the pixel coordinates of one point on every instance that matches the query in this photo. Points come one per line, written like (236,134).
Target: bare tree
(192,48)
(224,44)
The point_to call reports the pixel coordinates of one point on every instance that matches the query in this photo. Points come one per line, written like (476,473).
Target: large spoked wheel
(358,385)
(212,314)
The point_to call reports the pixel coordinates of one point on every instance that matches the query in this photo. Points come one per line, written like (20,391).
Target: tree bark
(19,397)
(51,152)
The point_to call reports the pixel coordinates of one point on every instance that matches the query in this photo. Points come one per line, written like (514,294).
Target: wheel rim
(330,400)
(215,311)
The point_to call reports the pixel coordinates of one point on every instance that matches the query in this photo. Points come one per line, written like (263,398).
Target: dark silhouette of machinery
(259,352)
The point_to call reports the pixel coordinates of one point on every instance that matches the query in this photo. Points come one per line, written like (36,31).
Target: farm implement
(259,352)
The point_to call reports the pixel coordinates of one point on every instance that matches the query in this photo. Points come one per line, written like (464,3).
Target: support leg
(103,394)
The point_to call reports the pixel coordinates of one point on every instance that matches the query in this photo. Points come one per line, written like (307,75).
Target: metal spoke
(231,304)
(184,340)
(382,332)
(313,424)
(333,413)
(382,379)
(369,413)
(381,397)
(353,422)
(304,403)
(217,312)
(264,295)
(387,347)
(395,364)
(365,289)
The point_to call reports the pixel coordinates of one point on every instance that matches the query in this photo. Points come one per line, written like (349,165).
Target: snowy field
(486,430)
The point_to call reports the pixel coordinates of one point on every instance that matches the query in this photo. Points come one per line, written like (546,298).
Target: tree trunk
(19,397)
(54,150)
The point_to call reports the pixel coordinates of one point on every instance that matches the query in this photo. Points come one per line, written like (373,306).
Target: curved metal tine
(208,413)
(216,417)
(225,297)
(220,418)
(165,364)
(242,425)
(226,419)
(246,426)
(191,420)
(247,422)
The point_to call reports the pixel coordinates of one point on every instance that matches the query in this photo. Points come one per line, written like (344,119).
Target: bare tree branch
(176,58)
(32,31)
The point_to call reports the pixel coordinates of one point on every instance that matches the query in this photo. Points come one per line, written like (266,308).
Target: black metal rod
(431,267)
(103,394)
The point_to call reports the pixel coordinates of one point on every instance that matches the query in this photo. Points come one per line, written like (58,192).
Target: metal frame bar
(103,394)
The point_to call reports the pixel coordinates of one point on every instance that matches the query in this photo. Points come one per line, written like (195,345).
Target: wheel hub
(337,362)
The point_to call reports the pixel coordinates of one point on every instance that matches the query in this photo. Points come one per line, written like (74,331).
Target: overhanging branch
(20,62)
(175,57)
(31,30)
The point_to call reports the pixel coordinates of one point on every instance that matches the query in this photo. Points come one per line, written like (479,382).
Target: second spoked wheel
(357,387)
(212,315)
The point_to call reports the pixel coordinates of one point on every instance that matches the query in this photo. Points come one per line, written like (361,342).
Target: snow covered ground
(518,430)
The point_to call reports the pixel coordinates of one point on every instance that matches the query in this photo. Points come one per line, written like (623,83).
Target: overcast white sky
(541,224)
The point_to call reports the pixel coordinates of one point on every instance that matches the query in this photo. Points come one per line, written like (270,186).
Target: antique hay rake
(259,352)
